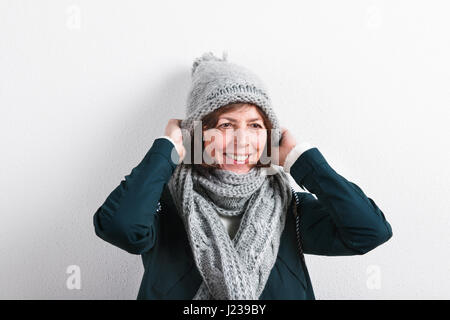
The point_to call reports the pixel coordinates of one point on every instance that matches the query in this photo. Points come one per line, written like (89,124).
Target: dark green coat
(139,216)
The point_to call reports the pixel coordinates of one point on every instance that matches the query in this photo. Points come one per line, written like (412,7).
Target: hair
(210,121)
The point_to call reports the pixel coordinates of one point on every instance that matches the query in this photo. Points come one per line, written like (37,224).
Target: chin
(238,168)
(238,171)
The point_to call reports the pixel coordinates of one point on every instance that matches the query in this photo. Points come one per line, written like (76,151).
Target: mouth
(238,159)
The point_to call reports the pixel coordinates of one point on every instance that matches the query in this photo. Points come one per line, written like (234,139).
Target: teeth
(238,158)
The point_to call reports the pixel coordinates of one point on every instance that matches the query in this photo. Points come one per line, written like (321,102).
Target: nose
(241,140)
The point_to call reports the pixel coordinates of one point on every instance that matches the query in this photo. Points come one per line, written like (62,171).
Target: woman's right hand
(173,131)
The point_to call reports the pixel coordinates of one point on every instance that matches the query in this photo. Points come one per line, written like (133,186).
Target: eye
(222,125)
(258,125)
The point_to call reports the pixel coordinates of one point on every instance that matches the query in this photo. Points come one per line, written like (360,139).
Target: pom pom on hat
(207,56)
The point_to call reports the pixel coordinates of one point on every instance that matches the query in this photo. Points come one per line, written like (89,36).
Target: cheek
(261,142)
(215,145)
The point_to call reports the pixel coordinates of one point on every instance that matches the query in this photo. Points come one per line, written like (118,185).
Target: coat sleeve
(127,218)
(342,220)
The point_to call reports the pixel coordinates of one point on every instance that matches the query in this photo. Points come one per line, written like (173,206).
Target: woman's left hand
(287,143)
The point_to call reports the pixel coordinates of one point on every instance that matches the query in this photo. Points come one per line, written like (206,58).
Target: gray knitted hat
(218,82)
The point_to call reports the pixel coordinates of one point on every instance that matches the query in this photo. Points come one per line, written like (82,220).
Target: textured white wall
(86,86)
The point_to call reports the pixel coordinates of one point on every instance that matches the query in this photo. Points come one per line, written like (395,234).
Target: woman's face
(240,132)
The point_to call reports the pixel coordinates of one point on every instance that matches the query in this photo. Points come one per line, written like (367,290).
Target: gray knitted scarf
(238,268)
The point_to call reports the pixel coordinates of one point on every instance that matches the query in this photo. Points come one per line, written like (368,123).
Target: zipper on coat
(297,225)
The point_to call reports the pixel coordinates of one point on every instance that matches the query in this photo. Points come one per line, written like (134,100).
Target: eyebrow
(249,120)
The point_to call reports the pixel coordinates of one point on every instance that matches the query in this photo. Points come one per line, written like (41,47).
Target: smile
(239,159)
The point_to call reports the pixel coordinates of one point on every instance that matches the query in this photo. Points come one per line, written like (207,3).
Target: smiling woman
(213,234)
(236,137)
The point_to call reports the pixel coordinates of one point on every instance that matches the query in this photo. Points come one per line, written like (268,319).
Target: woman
(224,227)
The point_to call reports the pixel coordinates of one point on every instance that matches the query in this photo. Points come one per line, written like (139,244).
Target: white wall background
(86,86)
